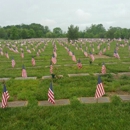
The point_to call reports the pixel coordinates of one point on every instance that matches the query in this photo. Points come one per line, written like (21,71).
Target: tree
(2,33)
(24,33)
(49,34)
(14,33)
(96,31)
(46,30)
(31,33)
(111,31)
(57,32)
(73,33)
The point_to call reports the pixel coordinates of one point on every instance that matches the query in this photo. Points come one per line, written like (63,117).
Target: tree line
(34,30)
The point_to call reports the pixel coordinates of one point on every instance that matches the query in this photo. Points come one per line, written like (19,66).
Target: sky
(63,13)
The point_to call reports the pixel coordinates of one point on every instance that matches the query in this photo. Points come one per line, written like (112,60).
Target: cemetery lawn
(76,116)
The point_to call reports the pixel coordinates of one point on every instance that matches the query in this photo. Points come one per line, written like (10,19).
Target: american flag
(104,50)
(22,54)
(79,64)
(98,47)
(100,89)
(129,47)
(108,47)
(37,53)
(51,68)
(73,58)
(91,56)
(28,51)
(24,73)
(85,53)
(5,97)
(70,53)
(51,95)
(116,54)
(1,53)
(13,62)
(100,52)
(33,61)
(33,49)
(7,55)
(103,70)
(53,59)
(93,49)
(117,47)
(55,54)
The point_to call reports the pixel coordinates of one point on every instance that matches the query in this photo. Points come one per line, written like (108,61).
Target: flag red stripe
(99,91)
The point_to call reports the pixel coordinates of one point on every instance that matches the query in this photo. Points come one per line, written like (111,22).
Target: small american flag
(28,51)
(116,54)
(51,68)
(98,47)
(33,49)
(73,58)
(5,97)
(85,53)
(7,55)
(53,59)
(100,52)
(100,89)
(33,61)
(37,53)
(22,54)
(24,73)
(51,95)
(93,49)
(1,53)
(55,54)
(104,50)
(103,70)
(79,64)
(108,47)
(117,47)
(70,53)
(13,62)
(129,47)
(91,56)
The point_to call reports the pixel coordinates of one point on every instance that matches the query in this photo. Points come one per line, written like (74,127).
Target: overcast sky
(63,13)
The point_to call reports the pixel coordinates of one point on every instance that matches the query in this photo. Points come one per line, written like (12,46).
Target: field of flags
(35,55)
(43,57)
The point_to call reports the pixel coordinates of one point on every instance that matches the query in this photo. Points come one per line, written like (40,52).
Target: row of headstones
(70,75)
(67,101)
(68,65)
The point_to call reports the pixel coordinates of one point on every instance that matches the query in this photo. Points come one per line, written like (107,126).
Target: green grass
(76,116)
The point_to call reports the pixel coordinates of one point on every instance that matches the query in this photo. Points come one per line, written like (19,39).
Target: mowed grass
(76,116)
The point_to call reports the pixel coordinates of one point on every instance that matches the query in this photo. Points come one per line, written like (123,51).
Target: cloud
(48,22)
(64,13)
(32,9)
(82,15)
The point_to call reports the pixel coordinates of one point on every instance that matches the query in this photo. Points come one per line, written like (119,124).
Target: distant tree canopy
(57,32)
(73,33)
(34,30)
